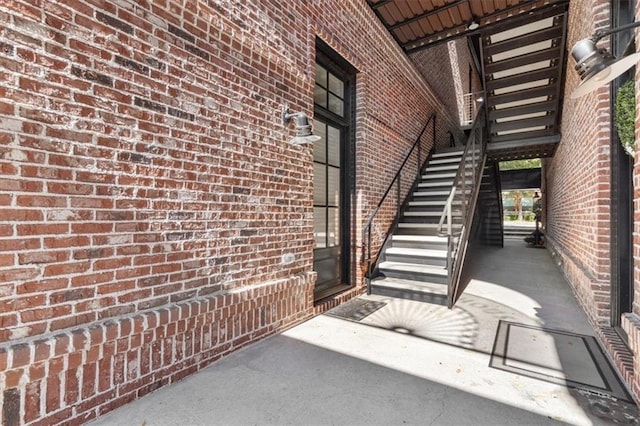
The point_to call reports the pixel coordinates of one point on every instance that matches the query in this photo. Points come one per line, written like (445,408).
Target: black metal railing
(367,258)
(462,201)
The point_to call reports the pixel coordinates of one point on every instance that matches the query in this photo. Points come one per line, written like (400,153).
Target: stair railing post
(398,192)
(449,218)
(463,204)
(418,162)
(369,259)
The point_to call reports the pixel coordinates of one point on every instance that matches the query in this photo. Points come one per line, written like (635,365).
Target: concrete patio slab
(405,362)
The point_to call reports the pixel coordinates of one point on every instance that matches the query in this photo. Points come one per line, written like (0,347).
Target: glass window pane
(333,228)
(334,146)
(333,196)
(336,105)
(320,147)
(319,184)
(336,86)
(319,226)
(321,76)
(320,96)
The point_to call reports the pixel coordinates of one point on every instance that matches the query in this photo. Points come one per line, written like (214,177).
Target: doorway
(332,171)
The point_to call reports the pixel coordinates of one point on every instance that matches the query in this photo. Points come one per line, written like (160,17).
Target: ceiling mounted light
(473,25)
(304,134)
(596,66)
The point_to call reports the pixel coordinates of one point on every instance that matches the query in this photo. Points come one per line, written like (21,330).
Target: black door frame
(621,242)
(334,63)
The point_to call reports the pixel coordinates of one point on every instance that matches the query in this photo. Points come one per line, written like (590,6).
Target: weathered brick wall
(577,187)
(149,192)
(631,322)
(446,66)
(578,198)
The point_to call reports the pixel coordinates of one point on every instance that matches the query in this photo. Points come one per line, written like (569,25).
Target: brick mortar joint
(616,352)
(557,252)
(32,342)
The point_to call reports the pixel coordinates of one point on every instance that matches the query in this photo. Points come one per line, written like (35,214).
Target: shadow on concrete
(285,381)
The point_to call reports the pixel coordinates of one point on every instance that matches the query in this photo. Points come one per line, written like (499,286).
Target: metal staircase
(423,255)
(490,227)
(415,260)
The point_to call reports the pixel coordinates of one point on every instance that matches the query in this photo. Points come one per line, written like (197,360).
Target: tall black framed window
(622,12)
(332,171)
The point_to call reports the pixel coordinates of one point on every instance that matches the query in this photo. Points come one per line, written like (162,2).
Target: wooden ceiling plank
(380,3)
(384,14)
(402,35)
(435,23)
(465,12)
(427,14)
(425,25)
(456,15)
(558,7)
(476,8)
(394,12)
(488,7)
(445,19)
(404,9)
(415,30)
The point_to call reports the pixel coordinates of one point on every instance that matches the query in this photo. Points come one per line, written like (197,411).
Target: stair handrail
(471,146)
(476,149)
(366,230)
(498,187)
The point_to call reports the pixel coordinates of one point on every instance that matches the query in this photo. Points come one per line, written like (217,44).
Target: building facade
(156,216)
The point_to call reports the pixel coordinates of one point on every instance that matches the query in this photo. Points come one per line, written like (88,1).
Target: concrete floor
(407,363)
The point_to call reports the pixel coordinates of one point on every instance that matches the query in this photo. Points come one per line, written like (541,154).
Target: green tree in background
(533,163)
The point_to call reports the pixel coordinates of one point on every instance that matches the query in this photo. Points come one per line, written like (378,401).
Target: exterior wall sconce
(598,67)
(304,134)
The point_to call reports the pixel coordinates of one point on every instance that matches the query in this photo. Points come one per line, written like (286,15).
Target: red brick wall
(149,192)
(631,322)
(578,198)
(436,65)
(577,179)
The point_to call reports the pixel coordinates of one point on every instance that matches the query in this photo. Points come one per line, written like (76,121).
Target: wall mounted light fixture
(596,66)
(304,133)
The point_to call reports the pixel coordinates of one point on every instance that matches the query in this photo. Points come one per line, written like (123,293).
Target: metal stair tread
(419,238)
(435,193)
(411,285)
(447,183)
(431,203)
(440,254)
(438,175)
(441,168)
(447,154)
(445,160)
(430,193)
(417,225)
(414,267)
(430,213)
